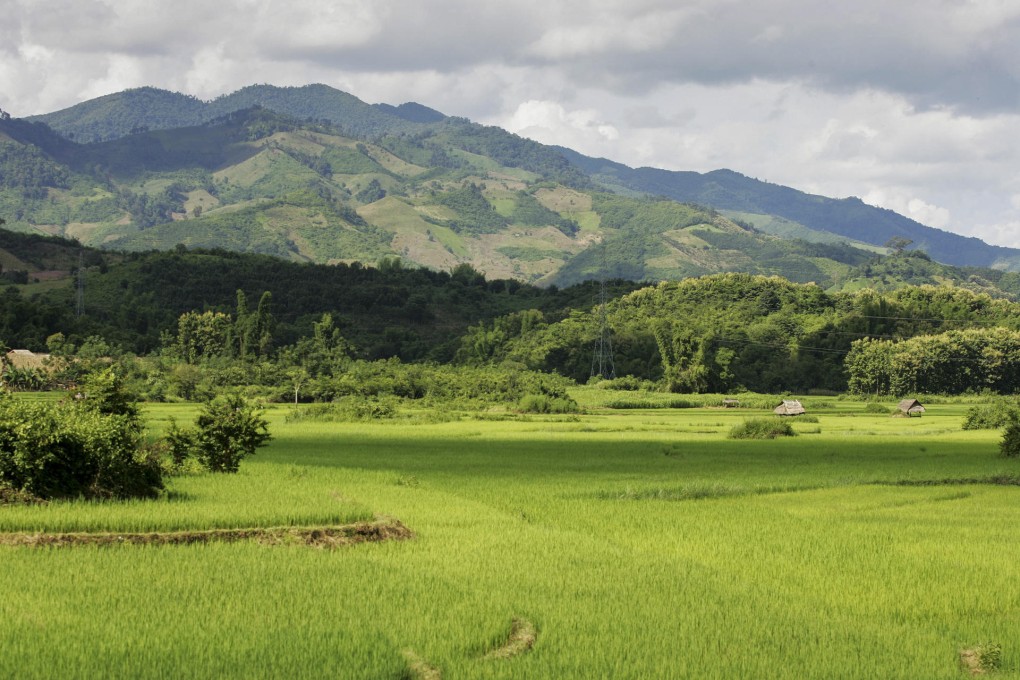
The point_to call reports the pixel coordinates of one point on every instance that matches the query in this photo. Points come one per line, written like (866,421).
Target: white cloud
(844,99)
(551,123)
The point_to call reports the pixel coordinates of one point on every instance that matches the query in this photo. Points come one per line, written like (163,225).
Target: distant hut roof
(730,403)
(911,406)
(23,358)
(789,407)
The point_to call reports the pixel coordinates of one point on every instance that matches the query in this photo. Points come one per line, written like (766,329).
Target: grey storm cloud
(957,53)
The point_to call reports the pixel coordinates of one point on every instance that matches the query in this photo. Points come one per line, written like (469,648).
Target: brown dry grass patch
(319,537)
(981,659)
(521,639)
(420,669)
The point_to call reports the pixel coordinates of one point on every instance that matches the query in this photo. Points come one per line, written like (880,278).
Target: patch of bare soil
(521,639)
(981,659)
(318,537)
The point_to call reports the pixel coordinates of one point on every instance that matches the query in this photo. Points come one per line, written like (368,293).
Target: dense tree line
(957,361)
(724,332)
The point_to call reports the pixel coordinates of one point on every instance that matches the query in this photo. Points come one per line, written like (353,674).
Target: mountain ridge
(334,179)
(850,217)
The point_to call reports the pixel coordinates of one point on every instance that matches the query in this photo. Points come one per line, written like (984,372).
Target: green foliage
(106,393)
(625,404)
(543,403)
(347,409)
(849,217)
(28,169)
(1010,444)
(762,428)
(205,334)
(371,193)
(180,445)
(876,407)
(68,450)
(998,413)
(475,215)
(228,430)
(627,383)
(528,211)
(948,363)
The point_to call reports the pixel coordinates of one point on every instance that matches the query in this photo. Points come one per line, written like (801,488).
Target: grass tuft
(762,428)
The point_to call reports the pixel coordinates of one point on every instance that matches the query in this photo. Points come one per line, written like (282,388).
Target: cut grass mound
(982,659)
(321,537)
(521,639)
(762,428)
(418,668)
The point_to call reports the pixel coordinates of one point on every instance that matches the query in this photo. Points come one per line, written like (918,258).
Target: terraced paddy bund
(630,543)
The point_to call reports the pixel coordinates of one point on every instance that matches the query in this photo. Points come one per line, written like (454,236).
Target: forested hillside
(131,300)
(259,181)
(716,333)
(849,218)
(731,331)
(314,174)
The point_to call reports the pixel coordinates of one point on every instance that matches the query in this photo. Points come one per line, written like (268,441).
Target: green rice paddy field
(637,543)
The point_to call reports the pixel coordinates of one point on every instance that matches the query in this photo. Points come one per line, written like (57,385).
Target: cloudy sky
(912,105)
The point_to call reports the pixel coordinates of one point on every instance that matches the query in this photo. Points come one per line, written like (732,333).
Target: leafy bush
(991,416)
(1010,445)
(69,450)
(875,407)
(626,383)
(348,409)
(762,428)
(227,430)
(543,403)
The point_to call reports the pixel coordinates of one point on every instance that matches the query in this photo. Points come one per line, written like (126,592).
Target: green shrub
(70,450)
(875,407)
(104,392)
(627,383)
(762,428)
(1010,445)
(543,403)
(991,416)
(347,409)
(227,430)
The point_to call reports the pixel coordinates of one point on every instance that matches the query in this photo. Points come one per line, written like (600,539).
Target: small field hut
(789,407)
(23,359)
(911,407)
(730,403)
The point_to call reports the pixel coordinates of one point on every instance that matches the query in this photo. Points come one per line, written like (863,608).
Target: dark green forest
(718,333)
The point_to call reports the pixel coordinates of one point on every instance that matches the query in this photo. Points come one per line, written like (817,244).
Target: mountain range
(314,174)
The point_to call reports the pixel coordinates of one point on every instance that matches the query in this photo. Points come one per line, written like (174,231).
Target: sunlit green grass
(795,558)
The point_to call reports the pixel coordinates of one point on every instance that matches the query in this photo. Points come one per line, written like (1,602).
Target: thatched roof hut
(23,359)
(730,403)
(911,406)
(789,407)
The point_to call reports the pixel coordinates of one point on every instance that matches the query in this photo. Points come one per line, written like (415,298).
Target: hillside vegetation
(312,174)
